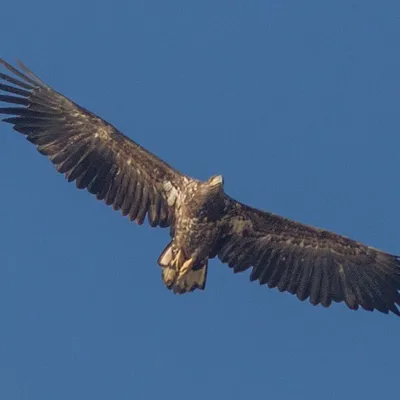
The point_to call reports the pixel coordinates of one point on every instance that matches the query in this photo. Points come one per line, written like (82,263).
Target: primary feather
(89,150)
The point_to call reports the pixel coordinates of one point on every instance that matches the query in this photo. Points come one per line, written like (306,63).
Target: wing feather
(89,150)
(308,262)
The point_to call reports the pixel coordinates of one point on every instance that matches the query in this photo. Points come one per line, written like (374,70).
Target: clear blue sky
(296,103)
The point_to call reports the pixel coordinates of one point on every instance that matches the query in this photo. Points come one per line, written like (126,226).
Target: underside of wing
(309,262)
(89,150)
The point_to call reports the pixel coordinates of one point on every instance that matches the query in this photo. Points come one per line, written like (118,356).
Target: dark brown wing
(91,151)
(309,262)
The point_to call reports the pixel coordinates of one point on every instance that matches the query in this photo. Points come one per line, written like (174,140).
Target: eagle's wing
(91,151)
(307,261)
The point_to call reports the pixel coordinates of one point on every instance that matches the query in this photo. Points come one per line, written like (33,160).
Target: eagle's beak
(217,180)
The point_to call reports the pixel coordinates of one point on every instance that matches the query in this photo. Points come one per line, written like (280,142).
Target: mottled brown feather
(308,262)
(89,150)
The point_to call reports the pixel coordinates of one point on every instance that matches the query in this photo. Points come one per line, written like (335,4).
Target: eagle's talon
(177,261)
(186,267)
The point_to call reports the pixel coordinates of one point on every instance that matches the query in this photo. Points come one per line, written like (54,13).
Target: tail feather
(194,279)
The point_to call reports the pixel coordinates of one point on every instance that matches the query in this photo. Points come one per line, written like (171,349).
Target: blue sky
(295,103)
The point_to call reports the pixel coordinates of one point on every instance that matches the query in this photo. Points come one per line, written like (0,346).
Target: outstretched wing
(90,151)
(309,262)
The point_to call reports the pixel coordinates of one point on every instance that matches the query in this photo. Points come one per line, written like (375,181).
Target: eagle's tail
(194,279)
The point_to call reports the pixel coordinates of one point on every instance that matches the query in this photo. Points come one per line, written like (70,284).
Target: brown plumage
(204,222)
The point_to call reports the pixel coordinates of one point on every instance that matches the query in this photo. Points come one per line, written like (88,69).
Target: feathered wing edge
(89,150)
(308,262)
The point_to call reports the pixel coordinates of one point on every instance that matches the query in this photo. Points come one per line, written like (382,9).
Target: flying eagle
(204,221)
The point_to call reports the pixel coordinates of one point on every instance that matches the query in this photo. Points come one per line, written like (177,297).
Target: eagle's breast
(197,217)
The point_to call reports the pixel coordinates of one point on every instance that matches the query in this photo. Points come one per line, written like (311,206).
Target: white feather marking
(103,133)
(239,224)
(167,186)
(172,196)
(186,180)
(172,193)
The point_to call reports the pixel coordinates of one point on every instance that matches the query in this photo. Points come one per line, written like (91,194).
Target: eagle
(204,222)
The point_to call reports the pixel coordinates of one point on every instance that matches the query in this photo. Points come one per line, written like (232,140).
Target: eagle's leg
(178,273)
(186,267)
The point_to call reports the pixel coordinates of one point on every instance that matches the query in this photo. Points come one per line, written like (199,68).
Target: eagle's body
(198,227)
(204,221)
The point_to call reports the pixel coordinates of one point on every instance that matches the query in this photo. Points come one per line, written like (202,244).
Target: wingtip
(21,64)
(395,310)
(5,63)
